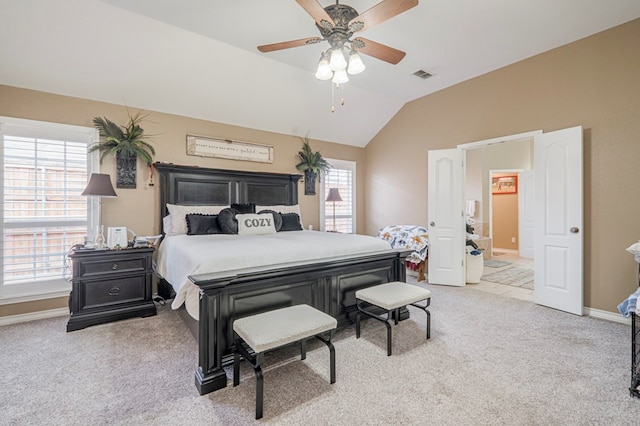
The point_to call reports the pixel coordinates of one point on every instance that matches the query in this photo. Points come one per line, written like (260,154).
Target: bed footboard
(329,287)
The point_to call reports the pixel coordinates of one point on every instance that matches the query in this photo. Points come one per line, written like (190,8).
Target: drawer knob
(114,291)
(114,266)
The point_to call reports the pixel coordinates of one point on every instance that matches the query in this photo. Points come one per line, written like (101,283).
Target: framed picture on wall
(504,185)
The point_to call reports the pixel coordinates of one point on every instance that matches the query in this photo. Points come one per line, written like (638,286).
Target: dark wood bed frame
(328,286)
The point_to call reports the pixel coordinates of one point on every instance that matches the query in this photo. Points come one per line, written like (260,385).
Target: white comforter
(180,256)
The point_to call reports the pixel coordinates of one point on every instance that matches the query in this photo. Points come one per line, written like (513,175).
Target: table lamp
(334,195)
(100,186)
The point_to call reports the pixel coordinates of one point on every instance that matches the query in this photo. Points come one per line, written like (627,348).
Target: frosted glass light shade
(324,71)
(340,76)
(356,66)
(337,61)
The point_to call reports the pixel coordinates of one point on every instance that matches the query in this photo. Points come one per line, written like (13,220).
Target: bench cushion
(393,295)
(279,327)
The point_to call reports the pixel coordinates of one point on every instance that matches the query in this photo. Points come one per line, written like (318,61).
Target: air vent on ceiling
(422,74)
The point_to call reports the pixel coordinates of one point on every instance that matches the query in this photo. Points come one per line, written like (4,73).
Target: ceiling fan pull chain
(333,102)
(342,94)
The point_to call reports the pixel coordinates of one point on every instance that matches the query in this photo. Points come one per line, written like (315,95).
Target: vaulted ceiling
(198,58)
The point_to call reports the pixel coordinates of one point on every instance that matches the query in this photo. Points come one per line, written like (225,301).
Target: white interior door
(446,225)
(526,213)
(558,246)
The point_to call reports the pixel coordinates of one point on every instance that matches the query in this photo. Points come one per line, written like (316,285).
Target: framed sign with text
(204,146)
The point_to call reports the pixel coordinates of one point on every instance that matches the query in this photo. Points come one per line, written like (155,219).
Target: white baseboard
(606,315)
(51,313)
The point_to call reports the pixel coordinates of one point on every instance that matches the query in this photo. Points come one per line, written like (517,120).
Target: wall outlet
(513,239)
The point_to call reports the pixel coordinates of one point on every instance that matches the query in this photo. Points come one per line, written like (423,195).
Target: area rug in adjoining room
(517,277)
(496,263)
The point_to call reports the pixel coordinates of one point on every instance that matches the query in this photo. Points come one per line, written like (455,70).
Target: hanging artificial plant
(126,143)
(313,164)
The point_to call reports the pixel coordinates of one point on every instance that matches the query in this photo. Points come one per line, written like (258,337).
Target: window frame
(30,291)
(341,165)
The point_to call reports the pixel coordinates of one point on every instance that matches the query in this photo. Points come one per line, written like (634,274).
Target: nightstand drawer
(115,265)
(100,293)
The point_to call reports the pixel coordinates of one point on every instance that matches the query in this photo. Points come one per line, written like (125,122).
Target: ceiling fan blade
(382,11)
(288,44)
(317,12)
(380,51)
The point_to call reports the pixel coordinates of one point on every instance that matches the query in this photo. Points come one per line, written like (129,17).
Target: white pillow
(167,225)
(255,224)
(179,213)
(281,208)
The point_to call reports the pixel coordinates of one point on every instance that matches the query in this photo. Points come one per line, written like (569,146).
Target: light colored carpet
(514,276)
(496,263)
(491,360)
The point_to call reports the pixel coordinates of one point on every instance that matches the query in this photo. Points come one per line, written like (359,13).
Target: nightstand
(110,285)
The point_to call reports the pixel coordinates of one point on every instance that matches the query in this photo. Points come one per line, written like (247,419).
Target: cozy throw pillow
(277,219)
(203,224)
(227,221)
(290,222)
(255,224)
(244,208)
(179,212)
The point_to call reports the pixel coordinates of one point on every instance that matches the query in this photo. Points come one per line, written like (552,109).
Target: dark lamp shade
(99,186)
(334,195)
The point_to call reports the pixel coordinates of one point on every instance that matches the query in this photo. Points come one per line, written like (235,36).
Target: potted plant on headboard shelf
(126,143)
(312,164)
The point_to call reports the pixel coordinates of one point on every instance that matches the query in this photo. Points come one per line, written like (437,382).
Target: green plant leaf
(126,141)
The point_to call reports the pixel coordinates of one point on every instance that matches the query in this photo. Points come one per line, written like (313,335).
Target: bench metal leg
(259,392)
(395,314)
(424,308)
(376,317)
(332,356)
(257,360)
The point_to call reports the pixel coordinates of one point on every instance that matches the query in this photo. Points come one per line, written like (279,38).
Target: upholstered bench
(273,329)
(391,297)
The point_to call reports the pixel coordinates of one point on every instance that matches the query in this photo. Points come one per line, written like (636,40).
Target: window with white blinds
(339,216)
(45,168)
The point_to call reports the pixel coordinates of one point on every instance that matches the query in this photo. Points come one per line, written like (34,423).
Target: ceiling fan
(339,22)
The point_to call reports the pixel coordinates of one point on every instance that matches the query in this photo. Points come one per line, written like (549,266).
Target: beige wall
(505,221)
(138,208)
(592,82)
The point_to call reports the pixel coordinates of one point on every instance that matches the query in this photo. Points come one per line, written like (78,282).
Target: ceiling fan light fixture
(336,60)
(356,66)
(324,71)
(340,77)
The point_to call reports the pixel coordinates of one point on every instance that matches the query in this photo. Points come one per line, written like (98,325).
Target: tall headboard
(190,185)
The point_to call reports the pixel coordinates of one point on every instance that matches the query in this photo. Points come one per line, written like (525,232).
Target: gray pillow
(290,222)
(202,224)
(227,221)
(277,218)
(244,208)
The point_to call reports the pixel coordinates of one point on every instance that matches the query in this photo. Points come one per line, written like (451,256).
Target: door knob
(432,224)
(574,230)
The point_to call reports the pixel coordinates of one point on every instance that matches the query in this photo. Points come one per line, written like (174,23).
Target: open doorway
(497,205)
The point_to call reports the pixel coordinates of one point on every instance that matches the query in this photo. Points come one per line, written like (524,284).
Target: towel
(628,305)
(471,208)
